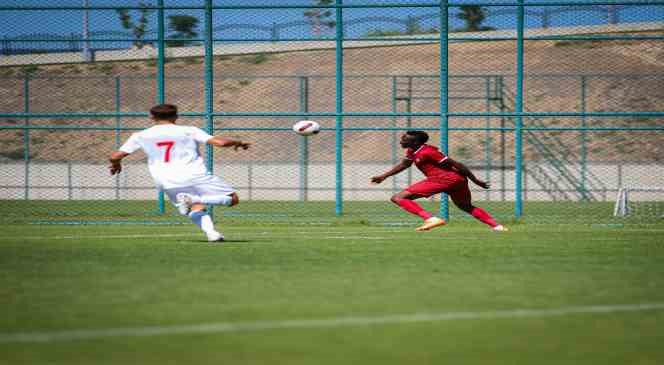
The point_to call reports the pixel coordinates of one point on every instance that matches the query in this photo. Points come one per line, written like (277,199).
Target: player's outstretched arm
(465,171)
(225,142)
(116,162)
(404,164)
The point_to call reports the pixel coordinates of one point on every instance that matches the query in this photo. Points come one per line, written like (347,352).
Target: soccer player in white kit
(177,167)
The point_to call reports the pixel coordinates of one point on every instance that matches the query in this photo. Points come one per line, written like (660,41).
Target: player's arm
(225,142)
(404,164)
(465,171)
(116,161)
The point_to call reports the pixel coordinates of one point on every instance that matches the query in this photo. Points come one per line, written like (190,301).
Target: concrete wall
(281,181)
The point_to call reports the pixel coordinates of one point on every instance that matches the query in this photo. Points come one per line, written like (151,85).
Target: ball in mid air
(306,127)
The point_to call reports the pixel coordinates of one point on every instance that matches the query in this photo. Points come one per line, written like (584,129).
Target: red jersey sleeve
(434,155)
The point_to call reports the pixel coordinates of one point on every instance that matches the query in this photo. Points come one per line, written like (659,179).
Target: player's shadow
(234,241)
(217,243)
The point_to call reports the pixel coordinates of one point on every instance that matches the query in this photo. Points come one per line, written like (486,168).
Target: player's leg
(406,200)
(202,219)
(212,190)
(181,199)
(461,197)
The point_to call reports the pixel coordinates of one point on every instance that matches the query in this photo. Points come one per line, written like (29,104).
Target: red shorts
(457,190)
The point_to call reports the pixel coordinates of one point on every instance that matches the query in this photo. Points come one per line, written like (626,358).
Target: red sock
(412,207)
(483,216)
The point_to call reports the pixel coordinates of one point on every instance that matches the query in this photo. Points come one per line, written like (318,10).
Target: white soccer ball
(306,127)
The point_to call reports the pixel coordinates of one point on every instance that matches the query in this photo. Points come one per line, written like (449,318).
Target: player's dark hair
(420,136)
(164,112)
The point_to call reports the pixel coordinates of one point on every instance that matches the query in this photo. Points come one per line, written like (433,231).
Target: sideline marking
(230,327)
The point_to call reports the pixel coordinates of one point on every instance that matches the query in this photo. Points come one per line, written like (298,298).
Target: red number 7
(169,145)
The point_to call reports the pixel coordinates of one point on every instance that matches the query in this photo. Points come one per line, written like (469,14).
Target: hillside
(268,83)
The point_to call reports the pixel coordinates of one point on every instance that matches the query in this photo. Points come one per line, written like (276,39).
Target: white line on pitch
(71,237)
(230,327)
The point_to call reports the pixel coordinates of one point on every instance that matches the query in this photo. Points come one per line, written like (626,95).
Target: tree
(473,15)
(320,17)
(184,27)
(139,27)
(412,26)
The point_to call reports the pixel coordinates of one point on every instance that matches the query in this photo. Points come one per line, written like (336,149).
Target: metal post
(518,133)
(87,54)
(409,120)
(118,124)
(69,181)
(209,87)
(487,135)
(584,141)
(339,52)
(161,53)
(161,93)
(250,178)
(443,99)
(394,132)
(501,85)
(304,141)
(26,136)
(525,182)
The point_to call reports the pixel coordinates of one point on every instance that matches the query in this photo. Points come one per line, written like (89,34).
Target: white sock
(202,220)
(206,224)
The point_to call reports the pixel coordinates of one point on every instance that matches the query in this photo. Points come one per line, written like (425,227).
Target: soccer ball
(306,127)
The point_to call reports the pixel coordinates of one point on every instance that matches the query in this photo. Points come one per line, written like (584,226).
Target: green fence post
(304,141)
(161,53)
(395,141)
(518,132)
(487,135)
(118,124)
(339,53)
(26,136)
(409,119)
(209,87)
(161,93)
(584,141)
(444,103)
(500,87)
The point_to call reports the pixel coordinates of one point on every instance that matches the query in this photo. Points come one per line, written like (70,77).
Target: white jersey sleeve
(132,144)
(199,135)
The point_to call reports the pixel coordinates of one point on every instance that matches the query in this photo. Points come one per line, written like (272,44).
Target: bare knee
(197,207)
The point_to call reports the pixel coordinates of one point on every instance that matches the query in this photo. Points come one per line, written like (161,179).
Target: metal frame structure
(443,7)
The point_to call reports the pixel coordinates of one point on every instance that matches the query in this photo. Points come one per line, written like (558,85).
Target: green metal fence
(559,119)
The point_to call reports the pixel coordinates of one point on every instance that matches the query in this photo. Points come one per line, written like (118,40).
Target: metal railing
(408,25)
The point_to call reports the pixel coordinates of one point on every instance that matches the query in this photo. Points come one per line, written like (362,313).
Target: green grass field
(321,212)
(342,293)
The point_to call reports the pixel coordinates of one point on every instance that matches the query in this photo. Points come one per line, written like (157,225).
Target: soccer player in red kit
(443,175)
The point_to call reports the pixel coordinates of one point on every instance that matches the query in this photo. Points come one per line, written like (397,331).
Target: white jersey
(172,150)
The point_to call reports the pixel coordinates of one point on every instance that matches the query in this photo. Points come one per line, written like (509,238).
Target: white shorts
(209,185)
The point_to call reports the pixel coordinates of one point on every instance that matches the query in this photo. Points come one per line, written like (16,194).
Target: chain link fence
(560,106)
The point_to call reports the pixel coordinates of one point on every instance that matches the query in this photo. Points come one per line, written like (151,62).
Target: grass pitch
(331,294)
